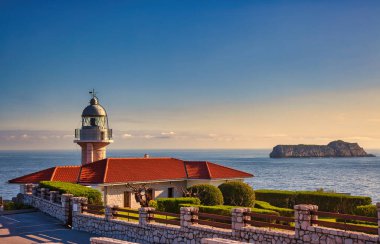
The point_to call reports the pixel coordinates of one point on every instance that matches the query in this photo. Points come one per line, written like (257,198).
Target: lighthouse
(94,136)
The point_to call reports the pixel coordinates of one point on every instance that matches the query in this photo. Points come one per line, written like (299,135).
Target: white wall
(115,193)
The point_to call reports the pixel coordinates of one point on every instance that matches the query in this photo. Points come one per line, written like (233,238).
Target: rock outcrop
(333,149)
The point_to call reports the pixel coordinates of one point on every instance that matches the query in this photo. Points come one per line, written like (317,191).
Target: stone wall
(51,207)
(189,232)
(146,231)
(105,240)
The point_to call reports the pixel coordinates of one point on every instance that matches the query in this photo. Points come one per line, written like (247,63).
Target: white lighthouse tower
(95,135)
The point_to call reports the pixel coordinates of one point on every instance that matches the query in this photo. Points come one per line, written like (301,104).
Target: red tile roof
(58,173)
(119,170)
(66,173)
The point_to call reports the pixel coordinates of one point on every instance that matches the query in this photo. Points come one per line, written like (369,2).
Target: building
(165,177)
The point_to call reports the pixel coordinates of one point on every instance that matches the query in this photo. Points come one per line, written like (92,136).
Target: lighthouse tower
(95,135)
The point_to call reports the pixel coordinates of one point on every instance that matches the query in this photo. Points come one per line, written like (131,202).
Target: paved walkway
(38,227)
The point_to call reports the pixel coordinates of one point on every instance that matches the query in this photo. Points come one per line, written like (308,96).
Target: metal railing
(93,134)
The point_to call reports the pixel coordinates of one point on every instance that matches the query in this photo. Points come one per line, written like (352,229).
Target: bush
(330,202)
(152,204)
(225,210)
(9,205)
(237,193)
(208,194)
(366,210)
(172,205)
(93,196)
(282,199)
(282,211)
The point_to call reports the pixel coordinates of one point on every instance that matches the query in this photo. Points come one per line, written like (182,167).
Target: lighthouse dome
(94,109)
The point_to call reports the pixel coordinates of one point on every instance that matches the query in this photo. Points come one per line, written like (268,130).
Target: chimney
(146,155)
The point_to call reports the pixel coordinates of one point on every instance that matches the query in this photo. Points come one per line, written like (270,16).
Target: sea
(355,176)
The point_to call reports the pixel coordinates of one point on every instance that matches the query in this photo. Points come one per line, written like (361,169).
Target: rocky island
(333,149)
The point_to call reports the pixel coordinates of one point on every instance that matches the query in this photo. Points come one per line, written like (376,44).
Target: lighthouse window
(93,121)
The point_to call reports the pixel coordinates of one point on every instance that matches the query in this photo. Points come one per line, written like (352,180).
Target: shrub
(152,204)
(282,199)
(366,210)
(225,210)
(282,211)
(237,193)
(93,196)
(172,205)
(330,202)
(9,205)
(208,194)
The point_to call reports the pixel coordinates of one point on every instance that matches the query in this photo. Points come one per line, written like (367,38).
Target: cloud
(171,133)
(359,138)
(126,136)
(275,135)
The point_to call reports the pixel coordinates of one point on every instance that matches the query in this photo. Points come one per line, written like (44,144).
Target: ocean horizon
(355,176)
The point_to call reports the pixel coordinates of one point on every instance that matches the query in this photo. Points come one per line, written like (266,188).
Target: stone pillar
(43,192)
(29,188)
(23,188)
(108,212)
(303,218)
(53,195)
(65,200)
(188,216)
(34,190)
(145,215)
(239,216)
(79,203)
(378,218)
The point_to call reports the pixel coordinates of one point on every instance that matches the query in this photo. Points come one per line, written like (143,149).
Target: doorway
(127,199)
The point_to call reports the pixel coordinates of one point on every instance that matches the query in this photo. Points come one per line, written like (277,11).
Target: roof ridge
(79,174)
(52,175)
(222,166)
(184,165)
(105,171)
(208,170)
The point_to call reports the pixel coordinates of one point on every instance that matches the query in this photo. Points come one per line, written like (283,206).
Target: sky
(191,74)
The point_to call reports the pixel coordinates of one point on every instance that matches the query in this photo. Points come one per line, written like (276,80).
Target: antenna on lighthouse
(93,93)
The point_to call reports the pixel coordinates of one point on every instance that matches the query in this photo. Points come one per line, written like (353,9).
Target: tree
(142,192)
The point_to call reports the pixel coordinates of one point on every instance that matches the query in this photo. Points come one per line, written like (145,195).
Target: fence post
(108,212)
(78,203)
(34,190)
(42,191)
(24,188)
(145,215)
(303,218)
(188,216)
(378,218)
(53,194)
(239,216)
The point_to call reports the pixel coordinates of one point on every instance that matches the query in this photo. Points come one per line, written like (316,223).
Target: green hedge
(153,204)
(172,205)
(225,210)
(93,196)
(237,193)
(282,211)
(15,206)
(208,194)
(330,202)
(366,210)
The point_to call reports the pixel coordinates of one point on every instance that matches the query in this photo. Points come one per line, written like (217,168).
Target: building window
(171,192)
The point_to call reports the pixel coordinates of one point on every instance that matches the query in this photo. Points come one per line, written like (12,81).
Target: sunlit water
(358,176)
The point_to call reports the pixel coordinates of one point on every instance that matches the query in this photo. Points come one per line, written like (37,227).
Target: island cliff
(333,149)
